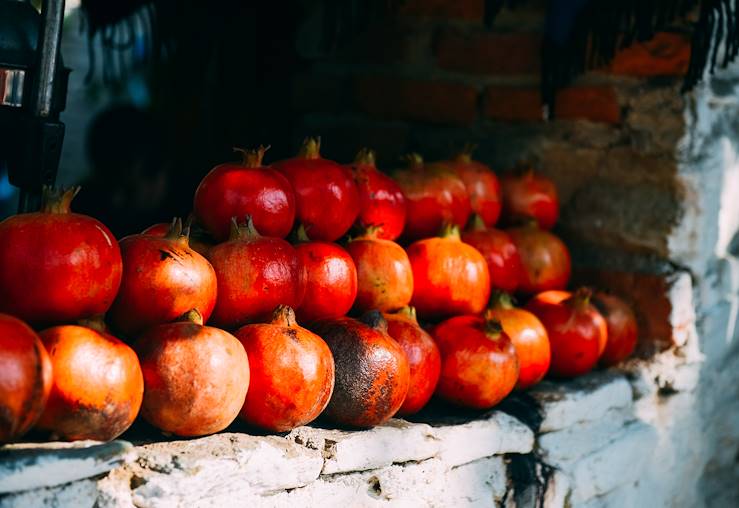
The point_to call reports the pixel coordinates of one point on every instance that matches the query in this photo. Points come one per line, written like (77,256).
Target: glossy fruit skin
(163,278)
(478,370)
(292,373)
(381,201)
(623,330)
(545,259)
(196,378)
(25,378)
(424,359)
(57,266)
(255,274)
(384,274)
(483,187)
(326,196)
(331,281)
(249,188)
(449,277)
(434,195)
(577,333)
(97,385)
(372,372)
(528,195)
(501,255)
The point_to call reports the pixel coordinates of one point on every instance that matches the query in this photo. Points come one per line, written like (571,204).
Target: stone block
(79,494)
(557,490)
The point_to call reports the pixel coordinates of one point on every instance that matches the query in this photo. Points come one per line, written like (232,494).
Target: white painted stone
(625,495)
(557,490)
(479,483)
(79,494)
(584,399)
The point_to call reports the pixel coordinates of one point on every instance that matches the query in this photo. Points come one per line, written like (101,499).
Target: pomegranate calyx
(301,236)
(492,329)
(370,232)
(476,223)
(580,300)
(465,155)
(177,233)
(96,323)
(252,158)
(283,315)
(245,231)
(414,160)
(58,200)
(374,319)
(192,316)
(365,156)
(501,300)
(311,148)
(409,312)
(450,230)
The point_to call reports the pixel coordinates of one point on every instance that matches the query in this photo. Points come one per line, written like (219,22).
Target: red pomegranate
(326,195)
(381,202)
(57,266)
(434,195)
(482,186)
(255,274)
(544,257)
(196,377)
(499,251)
(199,241)
(479,367)
(449,276)
(292,373)
(623,331)
(331,279)
(97,384)
(249,188)
(527,195)
(384,274)
(577,332)
(528,336)
(25,378)
(163,278)
(372,373)
(423,357)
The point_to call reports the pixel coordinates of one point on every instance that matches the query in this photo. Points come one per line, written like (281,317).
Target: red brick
(469,10)
(594,103)
(489,53)
(667,54)
(512,104)
(412,99)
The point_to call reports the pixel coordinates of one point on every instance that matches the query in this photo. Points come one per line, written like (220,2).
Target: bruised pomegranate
(196,377)
(331,279)
(449,276)
(372,373)
(527,195)
(544,257)
(249,188)
(499,251)
(479,367)
(482,186)
(528,336)
(423,357)
(326,196)
(25,378)
(292,373)
(384,274)
(255,274)
(577,332)
(622,328)
(57,266)
(163,278)
(381,202)
(97,384)
(435,195)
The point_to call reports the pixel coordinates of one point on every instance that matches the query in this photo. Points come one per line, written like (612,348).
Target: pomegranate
(577,332)
(544,257)
(499,251)
(623,331)
(384,274)
(449,276)
(528,336)
(331,279)
(479,367)
(255,274)
(292,373)
(163,278)
(423,357)
(482,186)
(527,195)
(249,188)
(57,266)
(434,195)
(25,378)
(97,384)
(372,373)
(381,202)
(326,196)
(198,239)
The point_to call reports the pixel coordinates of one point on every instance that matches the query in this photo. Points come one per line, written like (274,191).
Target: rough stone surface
(79,494)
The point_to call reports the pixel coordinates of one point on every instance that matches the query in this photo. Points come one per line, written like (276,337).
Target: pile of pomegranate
(308,289)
